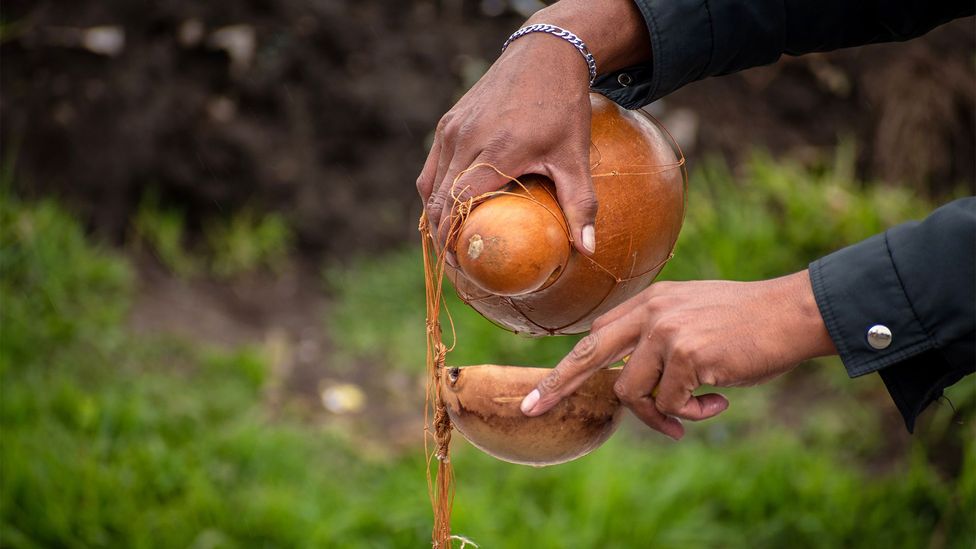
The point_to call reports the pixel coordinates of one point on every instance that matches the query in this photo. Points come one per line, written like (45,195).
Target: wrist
(613,30)
(807,332)
(550,57)
(563,35)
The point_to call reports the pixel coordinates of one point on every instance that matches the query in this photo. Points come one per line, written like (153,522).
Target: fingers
(641,374)
(425,182)
(595,351)
(647,412)
(676,396)
(441,188)
(574,189)
(635,388)
(471,184)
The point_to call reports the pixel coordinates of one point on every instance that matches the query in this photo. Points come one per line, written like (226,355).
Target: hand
(682,335)
(530,113)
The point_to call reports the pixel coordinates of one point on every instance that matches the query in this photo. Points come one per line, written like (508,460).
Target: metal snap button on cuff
(624,79)
(879,337)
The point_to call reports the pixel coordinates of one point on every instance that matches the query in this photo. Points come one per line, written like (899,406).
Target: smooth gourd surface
(483,404)
(515,242)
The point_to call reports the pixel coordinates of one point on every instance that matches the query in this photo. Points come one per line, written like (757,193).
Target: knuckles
(685,356)
(585,201)
(464,133)
(443,123)
(667,328)
(551,383)
(625,393)
(598,324)
(584,351)
(669,401)
(667,407)
(434,204)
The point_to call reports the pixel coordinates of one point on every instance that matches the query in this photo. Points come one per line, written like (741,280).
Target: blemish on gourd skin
(475,246)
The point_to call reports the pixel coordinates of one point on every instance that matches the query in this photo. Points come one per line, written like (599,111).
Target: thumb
(574,190)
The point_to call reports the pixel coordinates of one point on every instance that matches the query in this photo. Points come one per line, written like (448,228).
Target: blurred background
(211,303)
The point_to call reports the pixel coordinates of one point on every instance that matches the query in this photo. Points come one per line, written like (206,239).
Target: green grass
(248,241)
(777,217)
(162,230)
(239,243)
(108,439)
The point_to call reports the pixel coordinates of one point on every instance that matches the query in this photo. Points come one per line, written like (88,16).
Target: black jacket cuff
(857,288)
(919,281)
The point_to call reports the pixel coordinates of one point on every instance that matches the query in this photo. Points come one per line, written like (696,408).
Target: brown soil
(909,107)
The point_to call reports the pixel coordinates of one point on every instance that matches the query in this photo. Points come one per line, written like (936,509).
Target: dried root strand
(437,423)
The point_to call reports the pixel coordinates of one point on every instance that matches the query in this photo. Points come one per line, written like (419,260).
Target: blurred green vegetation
(163,230)
(777,217)
(239,243)
(108,439)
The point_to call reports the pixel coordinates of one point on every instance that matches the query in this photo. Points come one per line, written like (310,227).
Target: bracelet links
(561,33)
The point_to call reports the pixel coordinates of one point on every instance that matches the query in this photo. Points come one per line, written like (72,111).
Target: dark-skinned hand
(684,335)
(530,113)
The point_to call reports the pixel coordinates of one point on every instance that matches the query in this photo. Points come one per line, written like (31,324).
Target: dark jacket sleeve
(918,280)
(695,39)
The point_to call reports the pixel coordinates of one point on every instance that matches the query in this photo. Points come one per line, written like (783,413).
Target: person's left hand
(682,335)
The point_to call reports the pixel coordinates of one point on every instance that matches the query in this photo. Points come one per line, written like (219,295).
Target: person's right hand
(530,113)
(683,335)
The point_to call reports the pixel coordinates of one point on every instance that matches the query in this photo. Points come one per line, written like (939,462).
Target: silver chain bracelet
(561,33)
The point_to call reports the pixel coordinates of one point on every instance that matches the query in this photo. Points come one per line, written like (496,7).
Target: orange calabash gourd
(516,262)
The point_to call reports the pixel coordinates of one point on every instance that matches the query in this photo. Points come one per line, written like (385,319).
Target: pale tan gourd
(483,404)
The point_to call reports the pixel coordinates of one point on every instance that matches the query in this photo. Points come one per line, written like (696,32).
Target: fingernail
(530,401)
(589,238)
(678,429)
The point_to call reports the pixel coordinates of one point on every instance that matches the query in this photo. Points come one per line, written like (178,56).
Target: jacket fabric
(917,280)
